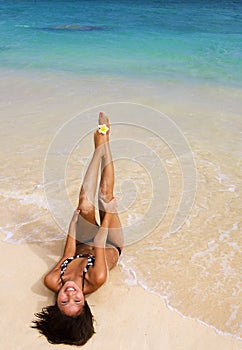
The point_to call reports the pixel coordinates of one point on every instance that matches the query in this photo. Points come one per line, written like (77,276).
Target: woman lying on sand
(90,251)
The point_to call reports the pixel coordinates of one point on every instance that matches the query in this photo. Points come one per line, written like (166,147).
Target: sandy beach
(168,75)
(127,318)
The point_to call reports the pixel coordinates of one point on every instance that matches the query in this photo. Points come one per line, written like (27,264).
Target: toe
(103,119)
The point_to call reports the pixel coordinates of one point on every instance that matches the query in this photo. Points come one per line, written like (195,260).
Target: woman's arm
(98,274)
(70,246)
(100,271)
(52,277)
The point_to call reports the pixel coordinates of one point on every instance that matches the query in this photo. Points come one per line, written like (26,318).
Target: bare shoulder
(91,285)
(52,282)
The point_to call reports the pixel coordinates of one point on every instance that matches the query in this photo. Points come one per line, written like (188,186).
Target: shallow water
(175,107)
(150,39)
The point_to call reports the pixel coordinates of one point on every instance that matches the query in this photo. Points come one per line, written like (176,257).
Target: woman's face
(70,299)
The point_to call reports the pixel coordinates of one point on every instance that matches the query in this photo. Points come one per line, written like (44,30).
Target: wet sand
(126,317)
(34,107)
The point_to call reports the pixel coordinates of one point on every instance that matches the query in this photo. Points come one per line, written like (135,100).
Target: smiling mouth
(70,287)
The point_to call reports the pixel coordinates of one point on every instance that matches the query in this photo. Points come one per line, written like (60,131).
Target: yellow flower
(103,129)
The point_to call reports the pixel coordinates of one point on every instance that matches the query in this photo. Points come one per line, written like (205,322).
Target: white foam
(132,282)
(174,309)
(131,278)
(22,25)
(36,199)
(133,219)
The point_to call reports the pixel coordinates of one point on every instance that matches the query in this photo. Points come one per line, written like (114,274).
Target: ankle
(99,151)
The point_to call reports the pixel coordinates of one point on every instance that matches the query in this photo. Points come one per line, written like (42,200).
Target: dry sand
(127,317)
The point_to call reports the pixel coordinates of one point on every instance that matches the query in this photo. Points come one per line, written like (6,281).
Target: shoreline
(151,324)
(46,73)
(173,309)
(188,81)
(129,284)
(38,107)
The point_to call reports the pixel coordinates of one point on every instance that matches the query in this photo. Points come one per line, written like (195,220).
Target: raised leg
(89,187)
(115,234)
(87,225)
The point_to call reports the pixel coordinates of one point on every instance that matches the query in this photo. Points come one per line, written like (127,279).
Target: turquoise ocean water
(174,40)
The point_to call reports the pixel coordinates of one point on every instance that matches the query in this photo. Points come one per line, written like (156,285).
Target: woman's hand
(109,207)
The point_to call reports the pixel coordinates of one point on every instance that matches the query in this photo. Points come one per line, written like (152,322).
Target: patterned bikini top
(90,262)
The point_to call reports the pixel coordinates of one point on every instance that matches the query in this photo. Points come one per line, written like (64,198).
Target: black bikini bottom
(108,242)
(115,246)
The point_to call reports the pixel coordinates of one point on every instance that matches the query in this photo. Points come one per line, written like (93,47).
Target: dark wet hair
(62,329)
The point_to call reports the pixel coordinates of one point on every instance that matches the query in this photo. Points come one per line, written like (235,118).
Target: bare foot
(103,119)
(101,139)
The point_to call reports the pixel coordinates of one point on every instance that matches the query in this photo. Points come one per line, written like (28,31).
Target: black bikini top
(90,262)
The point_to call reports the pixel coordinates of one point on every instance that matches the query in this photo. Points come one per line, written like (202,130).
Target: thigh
(115,232)
(112,256)
(85,230)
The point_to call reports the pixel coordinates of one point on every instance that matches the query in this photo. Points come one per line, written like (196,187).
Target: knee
(105,194)
(85,206)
